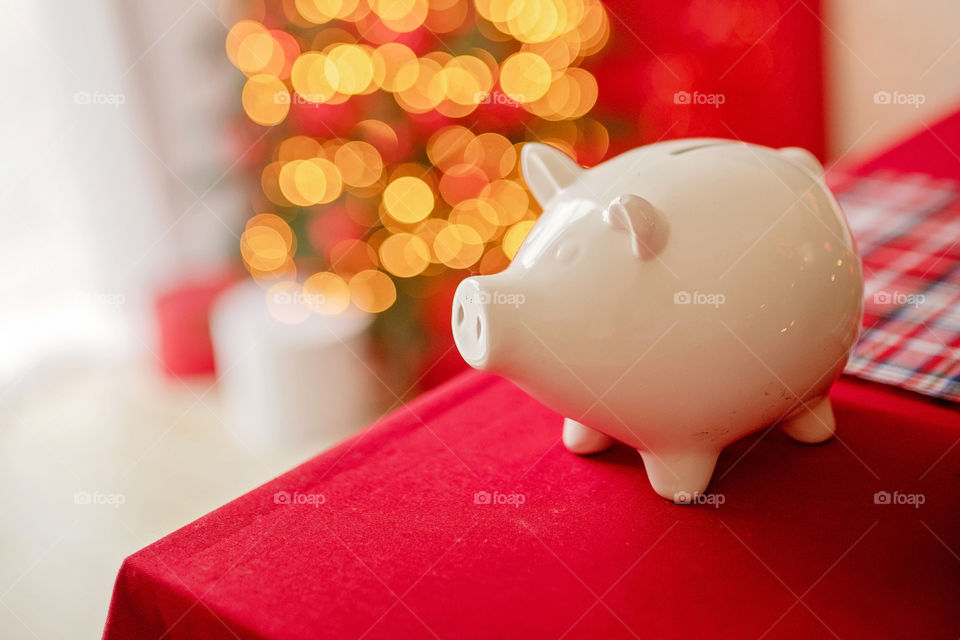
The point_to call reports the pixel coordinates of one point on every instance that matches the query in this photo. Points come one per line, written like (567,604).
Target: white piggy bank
(675,298)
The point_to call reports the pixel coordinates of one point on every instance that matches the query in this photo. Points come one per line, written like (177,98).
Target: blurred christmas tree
(385,138)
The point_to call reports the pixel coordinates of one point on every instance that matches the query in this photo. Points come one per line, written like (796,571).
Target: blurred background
(232,229)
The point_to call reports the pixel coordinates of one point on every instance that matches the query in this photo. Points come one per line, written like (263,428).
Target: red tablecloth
(382,537)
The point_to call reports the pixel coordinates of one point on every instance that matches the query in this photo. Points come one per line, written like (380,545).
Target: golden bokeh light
(401,16)
(278,224)
(511,200)
(310,182)
(404,255)
(270,183)
(515,236)
(525,76)
(464,80)
(478,214)
(446,15)
(594,30)
(237,35)
(424,94)
(558,53)
(286,271)
(323,11)
(288,184)
(457,84)
(408,199)
(428,231)
(310,79)
(537,20)
(392,9)
(260,53)
(289,47)
(333,178)
(298,148)
(263,248)
(406,164)
(447,145)
(310,179)
(400,66)
(458,246)
(381,136)
(359,163)
(326,293)
(491,153)
(349,68)
(372,291)
(265,99)
(588,91)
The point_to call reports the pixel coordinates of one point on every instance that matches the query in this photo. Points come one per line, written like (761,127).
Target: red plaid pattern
(907,229)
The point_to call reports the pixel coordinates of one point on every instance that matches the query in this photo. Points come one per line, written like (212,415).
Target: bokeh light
(404,255)
(408,199)
(310,77)
(326,293)
(525,76)
(400,66)
(458,246)
(265,99)
(349,69)
(263,248)
(372,291)
(515,237)
(397,132)
(359,163)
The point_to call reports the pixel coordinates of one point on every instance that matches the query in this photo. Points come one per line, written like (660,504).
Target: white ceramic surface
(675,298)
(300,382)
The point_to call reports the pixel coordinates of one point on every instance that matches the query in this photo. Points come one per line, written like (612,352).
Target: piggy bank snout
(471,330)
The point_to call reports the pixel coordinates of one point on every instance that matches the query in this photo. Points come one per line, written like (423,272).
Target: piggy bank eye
(567,251)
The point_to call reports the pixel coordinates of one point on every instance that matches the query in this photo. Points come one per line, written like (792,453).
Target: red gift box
(182,314)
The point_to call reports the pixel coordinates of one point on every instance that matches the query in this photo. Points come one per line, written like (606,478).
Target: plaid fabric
(907,229)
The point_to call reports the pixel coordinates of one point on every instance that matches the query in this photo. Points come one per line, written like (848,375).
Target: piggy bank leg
(680,476)
(815,423)
(583,440)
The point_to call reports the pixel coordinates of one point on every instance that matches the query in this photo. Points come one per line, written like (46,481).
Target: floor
(96,463)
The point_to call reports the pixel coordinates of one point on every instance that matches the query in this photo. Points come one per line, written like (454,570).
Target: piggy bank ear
(646,226)
(803,158)
(547,170)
